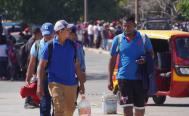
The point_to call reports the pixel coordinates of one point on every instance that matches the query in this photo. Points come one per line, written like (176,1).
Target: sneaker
(30,106)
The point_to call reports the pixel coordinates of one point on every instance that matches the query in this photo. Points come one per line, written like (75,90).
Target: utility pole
(85,10)
(136,11)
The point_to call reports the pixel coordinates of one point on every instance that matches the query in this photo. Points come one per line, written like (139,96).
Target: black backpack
(24,53)
(23,56)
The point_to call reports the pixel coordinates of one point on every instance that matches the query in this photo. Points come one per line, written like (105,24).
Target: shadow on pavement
(170,105)
(95,76)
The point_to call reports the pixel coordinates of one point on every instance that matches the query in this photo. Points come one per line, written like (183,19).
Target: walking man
(130,47)
(62,67)
(35,53)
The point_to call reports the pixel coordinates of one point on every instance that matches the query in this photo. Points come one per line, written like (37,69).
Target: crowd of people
(98,33)
(183,26)
(13,57)
(93,34)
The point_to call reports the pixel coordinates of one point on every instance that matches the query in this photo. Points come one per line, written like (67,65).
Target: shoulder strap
(119,42)
(37,45)
(50,50)
(143,37)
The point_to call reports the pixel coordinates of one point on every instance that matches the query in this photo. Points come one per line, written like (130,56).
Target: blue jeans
(45,103)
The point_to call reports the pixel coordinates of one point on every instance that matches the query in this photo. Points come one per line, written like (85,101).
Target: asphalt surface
(11,104)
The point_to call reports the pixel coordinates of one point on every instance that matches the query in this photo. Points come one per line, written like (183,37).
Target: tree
(40,11)
(101,9)
(10,8)
(183,8)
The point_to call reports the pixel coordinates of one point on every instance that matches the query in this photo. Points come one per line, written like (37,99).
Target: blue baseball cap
(47,29)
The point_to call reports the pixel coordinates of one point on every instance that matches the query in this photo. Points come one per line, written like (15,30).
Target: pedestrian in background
(13,67)
(90,31)
(3,57)
(24,60)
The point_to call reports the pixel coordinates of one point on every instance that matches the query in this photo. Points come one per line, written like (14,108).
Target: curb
(98,51)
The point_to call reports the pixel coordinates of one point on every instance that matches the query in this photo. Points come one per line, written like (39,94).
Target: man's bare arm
(81,77)
(111,67)
(79,73)
(41,76)
(31,68)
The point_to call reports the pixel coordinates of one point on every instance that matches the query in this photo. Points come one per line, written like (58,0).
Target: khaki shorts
(64,98)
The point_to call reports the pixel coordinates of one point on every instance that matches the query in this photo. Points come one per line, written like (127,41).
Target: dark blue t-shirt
(61,68)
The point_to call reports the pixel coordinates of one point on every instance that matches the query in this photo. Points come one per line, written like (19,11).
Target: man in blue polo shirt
(62,67)
(35,53)
(130,47)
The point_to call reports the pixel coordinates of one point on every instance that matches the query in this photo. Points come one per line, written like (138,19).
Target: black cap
(130,18)
(36,30)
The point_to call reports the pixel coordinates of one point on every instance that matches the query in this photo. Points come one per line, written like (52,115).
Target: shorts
(132,93)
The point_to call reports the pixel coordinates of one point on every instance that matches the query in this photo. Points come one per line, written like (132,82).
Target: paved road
(11,104)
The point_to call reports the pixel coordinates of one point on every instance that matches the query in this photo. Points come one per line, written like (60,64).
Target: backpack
(24,53)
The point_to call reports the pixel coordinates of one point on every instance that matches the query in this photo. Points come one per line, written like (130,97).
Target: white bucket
(109,104)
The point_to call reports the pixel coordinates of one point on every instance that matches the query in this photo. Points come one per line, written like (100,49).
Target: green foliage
(122,3)
(183,8)
(10,8)
(39,11)
(102,9)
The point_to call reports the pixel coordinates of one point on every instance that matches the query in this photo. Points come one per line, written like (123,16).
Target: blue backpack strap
(144,37)
(119,42)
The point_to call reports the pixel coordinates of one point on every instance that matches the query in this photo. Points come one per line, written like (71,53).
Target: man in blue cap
(47,30)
